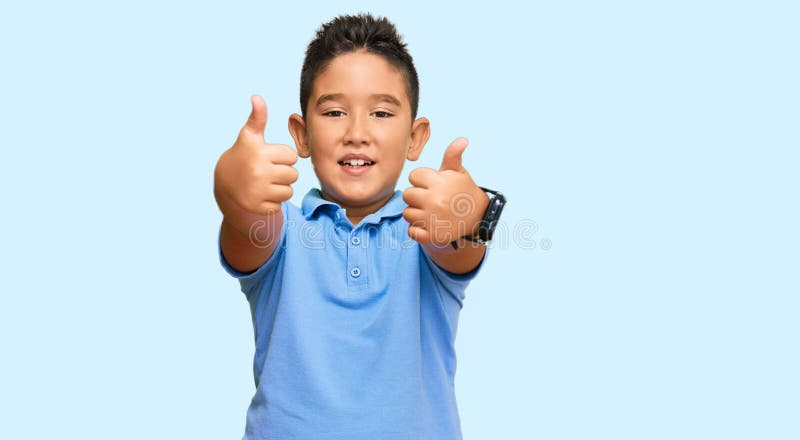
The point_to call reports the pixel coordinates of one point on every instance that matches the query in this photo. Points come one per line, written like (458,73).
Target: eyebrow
(381,97)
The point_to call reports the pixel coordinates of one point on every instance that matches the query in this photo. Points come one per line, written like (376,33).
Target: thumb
(258,117)
(452,156)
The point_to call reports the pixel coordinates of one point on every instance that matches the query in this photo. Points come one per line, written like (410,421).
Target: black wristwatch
(497,201)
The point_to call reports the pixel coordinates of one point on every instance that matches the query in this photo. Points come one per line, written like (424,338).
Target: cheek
(398,137)
(322,162)
(393,131)
(322,131)
(398,161)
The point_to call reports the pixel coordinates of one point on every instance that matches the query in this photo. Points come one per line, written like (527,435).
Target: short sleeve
(453,284)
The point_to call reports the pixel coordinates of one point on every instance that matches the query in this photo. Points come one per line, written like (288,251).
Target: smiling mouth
(356,163)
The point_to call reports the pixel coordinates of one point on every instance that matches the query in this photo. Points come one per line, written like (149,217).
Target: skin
(358,105)
(251,179)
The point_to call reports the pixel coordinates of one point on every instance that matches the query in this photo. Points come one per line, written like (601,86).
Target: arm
(251,180)
(461,261)
(248,240)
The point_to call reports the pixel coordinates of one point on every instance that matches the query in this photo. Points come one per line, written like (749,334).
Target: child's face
(359,111)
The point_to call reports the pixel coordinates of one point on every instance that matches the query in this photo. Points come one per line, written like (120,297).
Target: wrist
(491,215)
(476,216)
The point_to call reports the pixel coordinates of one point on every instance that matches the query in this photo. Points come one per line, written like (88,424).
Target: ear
(420,132)
(297,128)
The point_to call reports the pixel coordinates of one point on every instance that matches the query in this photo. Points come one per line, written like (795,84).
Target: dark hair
(349,33)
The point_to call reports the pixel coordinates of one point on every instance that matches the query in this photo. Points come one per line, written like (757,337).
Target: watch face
(492,216)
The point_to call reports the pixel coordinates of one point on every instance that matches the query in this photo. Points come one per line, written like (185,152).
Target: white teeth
(356,162)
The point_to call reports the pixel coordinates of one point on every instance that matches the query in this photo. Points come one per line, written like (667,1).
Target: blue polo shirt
(354,330)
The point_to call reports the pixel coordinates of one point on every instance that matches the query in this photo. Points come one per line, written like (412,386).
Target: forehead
(357,75)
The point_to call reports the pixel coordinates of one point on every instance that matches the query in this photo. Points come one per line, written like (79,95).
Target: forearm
(463,260)
(248,240)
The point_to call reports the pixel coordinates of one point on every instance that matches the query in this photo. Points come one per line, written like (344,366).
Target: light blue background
(653,145)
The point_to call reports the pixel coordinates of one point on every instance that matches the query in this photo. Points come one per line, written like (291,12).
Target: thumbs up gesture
(444,205)
(254,177)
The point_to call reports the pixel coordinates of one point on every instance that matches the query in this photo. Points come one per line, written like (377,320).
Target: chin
(361,199)
(355,197)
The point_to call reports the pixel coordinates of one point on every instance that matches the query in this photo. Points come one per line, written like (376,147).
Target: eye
(382,114)
(334,113)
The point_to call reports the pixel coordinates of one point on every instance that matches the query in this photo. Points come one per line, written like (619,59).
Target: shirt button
(355,240)
(355,272)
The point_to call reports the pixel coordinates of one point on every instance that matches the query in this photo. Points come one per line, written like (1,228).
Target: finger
(280,193)
(283,154)
(414,197)
(268,208)
(416,217)
(257,121)
(422,177)
(256,206)
(419,234)
(452,156)
(284,175)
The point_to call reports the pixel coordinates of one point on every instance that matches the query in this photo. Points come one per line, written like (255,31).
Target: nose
(357,131)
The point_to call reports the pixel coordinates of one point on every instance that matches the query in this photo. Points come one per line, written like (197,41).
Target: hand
(252,175)
(444,205)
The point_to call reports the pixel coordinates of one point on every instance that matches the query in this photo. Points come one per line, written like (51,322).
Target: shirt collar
(313,203)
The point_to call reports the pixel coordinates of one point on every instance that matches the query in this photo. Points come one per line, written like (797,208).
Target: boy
(355,295)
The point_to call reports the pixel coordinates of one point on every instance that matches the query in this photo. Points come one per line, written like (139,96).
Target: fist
(252,175)
(444,205)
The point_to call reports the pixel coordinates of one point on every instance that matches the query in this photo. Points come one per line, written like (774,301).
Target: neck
(355,213)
